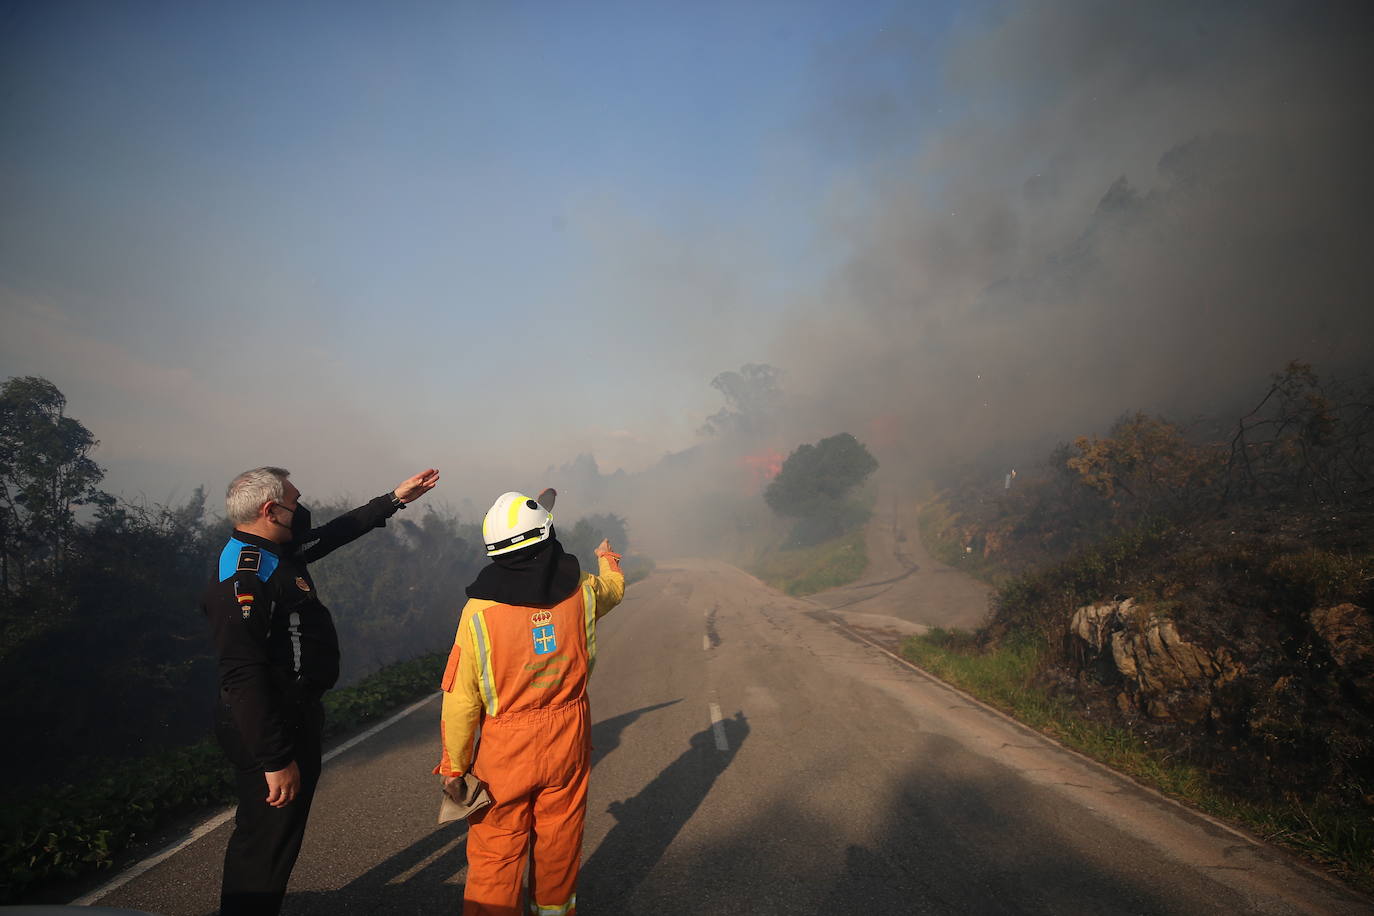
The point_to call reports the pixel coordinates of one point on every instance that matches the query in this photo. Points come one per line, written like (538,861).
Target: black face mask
(300,524)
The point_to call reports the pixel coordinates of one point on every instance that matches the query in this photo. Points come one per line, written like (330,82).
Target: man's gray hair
(248,491)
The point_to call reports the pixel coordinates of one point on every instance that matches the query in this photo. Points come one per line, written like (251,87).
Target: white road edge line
(1159,796)
(359,739)
(211,824)
(718,729)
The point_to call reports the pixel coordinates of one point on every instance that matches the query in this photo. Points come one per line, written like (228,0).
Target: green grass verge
(63,832)
(1004,678)
(807,570)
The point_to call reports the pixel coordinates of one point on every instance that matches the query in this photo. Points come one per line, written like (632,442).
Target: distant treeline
(104,653)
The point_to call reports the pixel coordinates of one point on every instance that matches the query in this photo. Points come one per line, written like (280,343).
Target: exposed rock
(1164,674)
(1123,657)
(1193,662)
(1348,633)
(1230,668)
(1091,623)
(1156,670)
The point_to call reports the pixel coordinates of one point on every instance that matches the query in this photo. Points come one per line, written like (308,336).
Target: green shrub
(65,831)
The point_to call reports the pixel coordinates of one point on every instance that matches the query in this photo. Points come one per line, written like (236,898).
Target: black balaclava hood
(535,576)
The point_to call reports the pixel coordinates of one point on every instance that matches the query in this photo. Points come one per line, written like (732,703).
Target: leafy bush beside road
(49,834)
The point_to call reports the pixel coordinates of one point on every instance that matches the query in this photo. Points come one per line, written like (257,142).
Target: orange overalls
(521,673)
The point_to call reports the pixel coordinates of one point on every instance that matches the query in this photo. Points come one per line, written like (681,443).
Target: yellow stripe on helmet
(513,512)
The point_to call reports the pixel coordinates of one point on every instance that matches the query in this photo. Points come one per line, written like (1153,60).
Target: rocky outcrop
(1347,632)
(1161,674)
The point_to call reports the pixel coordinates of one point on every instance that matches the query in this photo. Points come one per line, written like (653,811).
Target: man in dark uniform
(278,654)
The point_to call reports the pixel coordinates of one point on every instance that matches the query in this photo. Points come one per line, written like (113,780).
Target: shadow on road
(950,839)
(606,733)
(647,823)
(426,877)
(420,879)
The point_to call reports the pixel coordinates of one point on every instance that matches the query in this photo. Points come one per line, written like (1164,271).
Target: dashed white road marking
(705,641)
(211,824)
(718,729)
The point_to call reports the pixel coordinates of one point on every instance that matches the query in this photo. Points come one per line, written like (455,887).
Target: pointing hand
(413,488)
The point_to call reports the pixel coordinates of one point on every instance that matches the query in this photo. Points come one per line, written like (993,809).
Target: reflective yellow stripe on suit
(589,621)
(482,640)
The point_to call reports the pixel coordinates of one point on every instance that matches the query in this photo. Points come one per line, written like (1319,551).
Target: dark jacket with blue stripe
(277,646)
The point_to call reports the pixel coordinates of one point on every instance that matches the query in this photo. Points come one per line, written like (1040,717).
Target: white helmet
(514,522)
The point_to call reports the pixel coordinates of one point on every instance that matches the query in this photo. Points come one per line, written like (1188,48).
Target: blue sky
(358,238)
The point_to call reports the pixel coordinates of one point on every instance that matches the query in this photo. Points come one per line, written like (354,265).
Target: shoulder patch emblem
(245,601)
(250,558)
(302,584)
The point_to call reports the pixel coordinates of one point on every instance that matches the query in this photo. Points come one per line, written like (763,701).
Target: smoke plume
(1126,206)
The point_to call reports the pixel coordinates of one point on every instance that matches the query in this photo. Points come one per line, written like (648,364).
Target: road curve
(752,758)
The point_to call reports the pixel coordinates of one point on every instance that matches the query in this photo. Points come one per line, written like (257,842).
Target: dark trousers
(266,840)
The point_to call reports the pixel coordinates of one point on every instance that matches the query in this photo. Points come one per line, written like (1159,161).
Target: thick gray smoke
(1129,206)
(1123,206)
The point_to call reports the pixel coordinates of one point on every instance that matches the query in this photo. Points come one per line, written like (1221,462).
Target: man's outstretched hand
(604,549)
(414,487)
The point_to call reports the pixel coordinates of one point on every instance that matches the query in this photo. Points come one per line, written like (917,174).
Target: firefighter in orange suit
(525,647)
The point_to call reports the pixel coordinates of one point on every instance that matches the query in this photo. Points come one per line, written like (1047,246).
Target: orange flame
(764,465)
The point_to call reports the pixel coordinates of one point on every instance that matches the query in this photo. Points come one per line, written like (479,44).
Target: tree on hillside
(1145,465)
(751,396)
(45,473)
(814,484)
(1309,439)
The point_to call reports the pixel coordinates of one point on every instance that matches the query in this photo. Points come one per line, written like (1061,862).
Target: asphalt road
(753,758)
